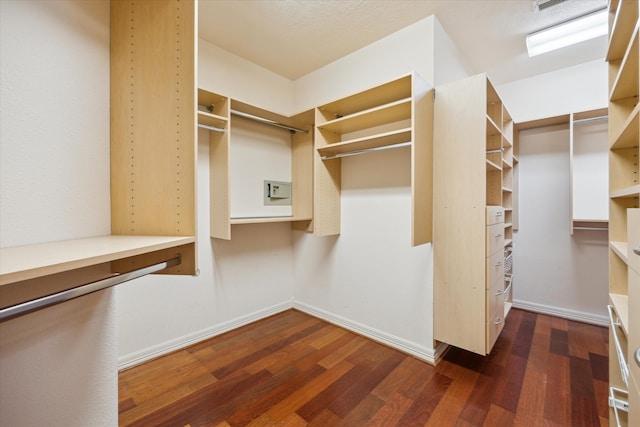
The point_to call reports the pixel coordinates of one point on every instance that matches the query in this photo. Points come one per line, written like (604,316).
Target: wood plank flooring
(292,369)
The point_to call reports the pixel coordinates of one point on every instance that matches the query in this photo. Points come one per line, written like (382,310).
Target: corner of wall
(449,64)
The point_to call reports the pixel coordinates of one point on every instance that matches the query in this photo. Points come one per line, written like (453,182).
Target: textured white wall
(579,88)
(240,280)
(553,271)
(57,365)
(370,277)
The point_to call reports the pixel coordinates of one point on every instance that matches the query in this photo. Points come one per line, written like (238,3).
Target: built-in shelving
(398,113)
(221,112)
(624,216)
(153,162)
(474,193)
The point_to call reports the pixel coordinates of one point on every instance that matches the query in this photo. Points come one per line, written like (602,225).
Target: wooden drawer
(494,327)
(495,239)
(495,215)
(633,238)
(634,402)
(495,301)
(495,270)
(633,339)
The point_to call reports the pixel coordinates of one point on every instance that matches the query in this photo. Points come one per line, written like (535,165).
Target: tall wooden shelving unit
(396,113)
(153,161)
(473,214)
(624,216)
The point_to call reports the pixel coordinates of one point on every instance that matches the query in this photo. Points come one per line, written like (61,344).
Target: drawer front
(495,238)
(495,301)
(633,339)
(495,215)
(634,402)
(633,238)
(495,270)
(494,327)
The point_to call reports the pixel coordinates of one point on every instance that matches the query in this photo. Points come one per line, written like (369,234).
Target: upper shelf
(388,113)
(621,29)
(627,136)
(33,261)
(625,84)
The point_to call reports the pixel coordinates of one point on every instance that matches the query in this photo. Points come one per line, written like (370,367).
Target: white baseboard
(144,355)
(578,316)
(426,354)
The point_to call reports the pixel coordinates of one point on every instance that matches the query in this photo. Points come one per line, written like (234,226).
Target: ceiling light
(582,28)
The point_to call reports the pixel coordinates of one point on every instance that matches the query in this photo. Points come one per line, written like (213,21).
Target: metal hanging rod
(366,150)
(213,128)
(577,227)
(46,301)
(591,119)
(496,151)
(267,121)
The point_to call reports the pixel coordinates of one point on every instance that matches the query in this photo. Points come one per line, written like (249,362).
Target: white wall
(579,88)
(449,64)
(409,49)
(240,280)
(555,272)
(369,278)
(57,365)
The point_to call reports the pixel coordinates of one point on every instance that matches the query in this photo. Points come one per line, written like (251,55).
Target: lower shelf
(268,219)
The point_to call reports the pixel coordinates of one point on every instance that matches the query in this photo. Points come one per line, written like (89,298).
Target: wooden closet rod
(57,298)
(267,121)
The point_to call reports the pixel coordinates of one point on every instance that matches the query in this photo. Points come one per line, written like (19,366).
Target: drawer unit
(495,270)
(494,327)
(495,215)
(495,239)
(495,301)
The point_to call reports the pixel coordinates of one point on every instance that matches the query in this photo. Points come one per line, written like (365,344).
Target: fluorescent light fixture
(582,28)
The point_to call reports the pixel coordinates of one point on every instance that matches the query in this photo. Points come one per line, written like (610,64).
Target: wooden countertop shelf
(34,261)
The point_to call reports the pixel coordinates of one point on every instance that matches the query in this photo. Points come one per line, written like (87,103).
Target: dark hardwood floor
(295,370)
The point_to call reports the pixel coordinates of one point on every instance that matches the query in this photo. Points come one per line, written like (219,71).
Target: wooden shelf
(377,116)
(506,190)
(620,249)
(209,119)
(621,305)
(379,95)
(265,220)
(507,242)
(366,143)
(492,166)
(492,128)
(629,192)
(625,84)
(34,261)
(627,136)
(621,29)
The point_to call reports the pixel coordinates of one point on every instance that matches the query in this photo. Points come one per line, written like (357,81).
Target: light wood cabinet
(396,113)
(473,214)
(624,216)
(218,114)
(153,161)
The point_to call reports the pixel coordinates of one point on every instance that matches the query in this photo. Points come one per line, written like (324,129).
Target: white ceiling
(295,37)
